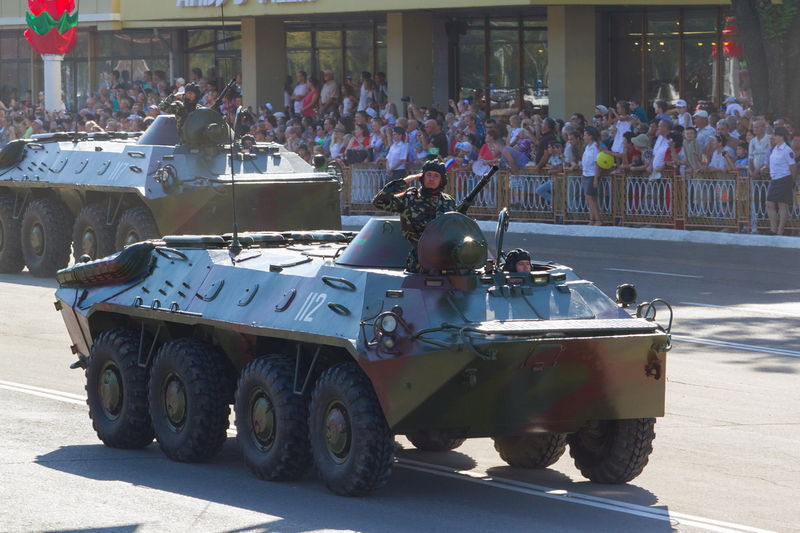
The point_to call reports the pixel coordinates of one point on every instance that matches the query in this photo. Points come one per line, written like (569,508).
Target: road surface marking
(655,273)
(485,479)
(737,308)
(736,346)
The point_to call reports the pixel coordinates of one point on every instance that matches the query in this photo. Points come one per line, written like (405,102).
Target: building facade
(561,56)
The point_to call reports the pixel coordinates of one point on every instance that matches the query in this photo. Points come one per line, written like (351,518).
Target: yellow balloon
(605,160)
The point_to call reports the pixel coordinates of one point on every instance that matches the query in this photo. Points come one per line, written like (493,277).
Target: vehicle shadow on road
(412,500)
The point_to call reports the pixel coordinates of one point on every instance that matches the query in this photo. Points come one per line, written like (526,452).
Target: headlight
(388,323)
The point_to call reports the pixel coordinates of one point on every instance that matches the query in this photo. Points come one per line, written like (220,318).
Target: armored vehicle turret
(327,348)
(98,192)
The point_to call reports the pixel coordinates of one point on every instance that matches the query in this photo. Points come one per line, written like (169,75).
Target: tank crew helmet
(515,256)
(434,166)
(194,88)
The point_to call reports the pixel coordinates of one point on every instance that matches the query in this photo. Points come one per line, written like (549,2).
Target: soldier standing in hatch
(416,205)
(518,260)
(181,108)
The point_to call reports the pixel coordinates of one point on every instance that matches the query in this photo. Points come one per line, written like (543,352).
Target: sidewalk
(617,232)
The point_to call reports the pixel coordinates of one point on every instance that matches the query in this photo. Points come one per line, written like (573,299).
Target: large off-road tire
(187,400)
(351,443)
(613,451)
(11,260)
(46,237)
(116,389)
(531,451)
(434,440)
(134,225)
(272,421)
(91,235)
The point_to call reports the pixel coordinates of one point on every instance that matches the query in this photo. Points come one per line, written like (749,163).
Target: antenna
(235,247)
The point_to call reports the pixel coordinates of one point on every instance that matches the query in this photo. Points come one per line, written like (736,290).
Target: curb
(618,232)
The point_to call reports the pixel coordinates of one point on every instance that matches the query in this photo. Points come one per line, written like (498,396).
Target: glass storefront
(667,54)
(15,67)
(346,49)
(504,59)
(217,53)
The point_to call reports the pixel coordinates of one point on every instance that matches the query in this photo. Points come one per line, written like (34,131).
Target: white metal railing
(366,182)
(529,193)
(576,202)
(464,181)
(711,197)
(648,197)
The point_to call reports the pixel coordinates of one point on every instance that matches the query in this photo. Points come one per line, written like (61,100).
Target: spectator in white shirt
(732,107)
(398,155)
(758,151)
(704,131)
(621,118)
(329,95)
(782,173)
(300,91)
(660,149)
(683,117)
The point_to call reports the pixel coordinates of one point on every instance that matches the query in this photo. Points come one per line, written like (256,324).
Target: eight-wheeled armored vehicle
(327,348)
(101,191)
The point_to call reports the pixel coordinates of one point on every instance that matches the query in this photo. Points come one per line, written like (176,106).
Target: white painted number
(313,302)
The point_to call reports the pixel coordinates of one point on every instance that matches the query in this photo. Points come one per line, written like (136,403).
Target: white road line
(485,479)
(655,273)
(736,346)
(81,397)
(737,308)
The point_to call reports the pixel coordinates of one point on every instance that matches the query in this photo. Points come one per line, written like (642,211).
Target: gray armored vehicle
(327,348)
(101,191)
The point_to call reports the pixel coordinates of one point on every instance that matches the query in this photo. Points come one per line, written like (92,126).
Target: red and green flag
(52,26)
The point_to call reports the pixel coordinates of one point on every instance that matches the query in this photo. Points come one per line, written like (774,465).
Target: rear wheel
(434,440)
(613,451)
(91,235)
(116,390)
(187,400)
(46,236)
(272,421)
(11,259)
(350,440)
(531,451)
(135,224)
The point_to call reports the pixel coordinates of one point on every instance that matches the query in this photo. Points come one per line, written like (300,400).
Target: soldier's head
(518,260)
(434,177)
(192,94)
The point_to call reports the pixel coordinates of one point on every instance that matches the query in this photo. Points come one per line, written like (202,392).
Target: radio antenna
(235,247)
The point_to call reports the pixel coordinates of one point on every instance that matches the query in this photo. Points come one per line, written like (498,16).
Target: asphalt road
(726,458)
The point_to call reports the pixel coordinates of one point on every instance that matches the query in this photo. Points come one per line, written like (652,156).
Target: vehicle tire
(187,400)
(531,451)
(116,390)
(91,235)
(613,451)
(352,445)
(46,236)
(11,259)
(272,421)
(433,440)
(135,224)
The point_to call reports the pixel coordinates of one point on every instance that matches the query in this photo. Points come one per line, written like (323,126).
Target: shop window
(664,60)
(700,69)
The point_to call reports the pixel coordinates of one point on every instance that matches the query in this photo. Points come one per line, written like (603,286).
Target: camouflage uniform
(180,108)
(416,210)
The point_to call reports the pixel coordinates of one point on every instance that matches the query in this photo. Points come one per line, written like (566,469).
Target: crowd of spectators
(354,121)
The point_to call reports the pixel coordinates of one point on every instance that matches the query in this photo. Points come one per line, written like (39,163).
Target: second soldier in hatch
(181,108)
(416,205)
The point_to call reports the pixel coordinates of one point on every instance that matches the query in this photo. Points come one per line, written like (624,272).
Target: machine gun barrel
(218,101)
(467,201)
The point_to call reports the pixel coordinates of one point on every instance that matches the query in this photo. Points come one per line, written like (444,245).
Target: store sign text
(218,3)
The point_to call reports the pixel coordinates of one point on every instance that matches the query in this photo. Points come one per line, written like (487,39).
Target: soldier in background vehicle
(181,108)
(416,205)
(518,260)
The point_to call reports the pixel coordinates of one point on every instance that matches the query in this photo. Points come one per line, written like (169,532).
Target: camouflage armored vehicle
(327,348)
(101,191)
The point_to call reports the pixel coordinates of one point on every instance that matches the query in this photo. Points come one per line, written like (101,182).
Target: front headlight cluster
(386,328)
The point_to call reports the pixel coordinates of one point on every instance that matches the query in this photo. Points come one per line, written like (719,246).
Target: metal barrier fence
(721,201)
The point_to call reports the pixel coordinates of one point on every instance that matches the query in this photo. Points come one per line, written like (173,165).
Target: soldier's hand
(410,179)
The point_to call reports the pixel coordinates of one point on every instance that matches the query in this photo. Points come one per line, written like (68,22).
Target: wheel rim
(262,420)
(338,434)
(174,402)
(37,238)
(110,391)
(595,436)
(89,243)
(132,237)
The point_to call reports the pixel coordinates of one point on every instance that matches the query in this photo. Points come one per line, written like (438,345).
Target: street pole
(52,82)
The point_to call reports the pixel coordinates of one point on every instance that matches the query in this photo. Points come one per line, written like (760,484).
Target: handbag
(353,156)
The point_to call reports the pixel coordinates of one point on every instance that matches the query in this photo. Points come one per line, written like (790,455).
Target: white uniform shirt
(660,152)
(589,160)
(758,151)
(300,90)
(780,160)
(397,152)
(623,126)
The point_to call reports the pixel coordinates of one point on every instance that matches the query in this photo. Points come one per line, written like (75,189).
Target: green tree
(770,35)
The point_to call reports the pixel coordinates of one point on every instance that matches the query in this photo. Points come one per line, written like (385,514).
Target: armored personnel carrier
(327,348)
(98,192)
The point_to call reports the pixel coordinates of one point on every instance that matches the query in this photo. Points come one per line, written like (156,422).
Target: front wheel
(188,400)
(272,421)
(46,236)
(91,234)
(116,389)
(11,259)
(613,451)
(531,451)
(350,440)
